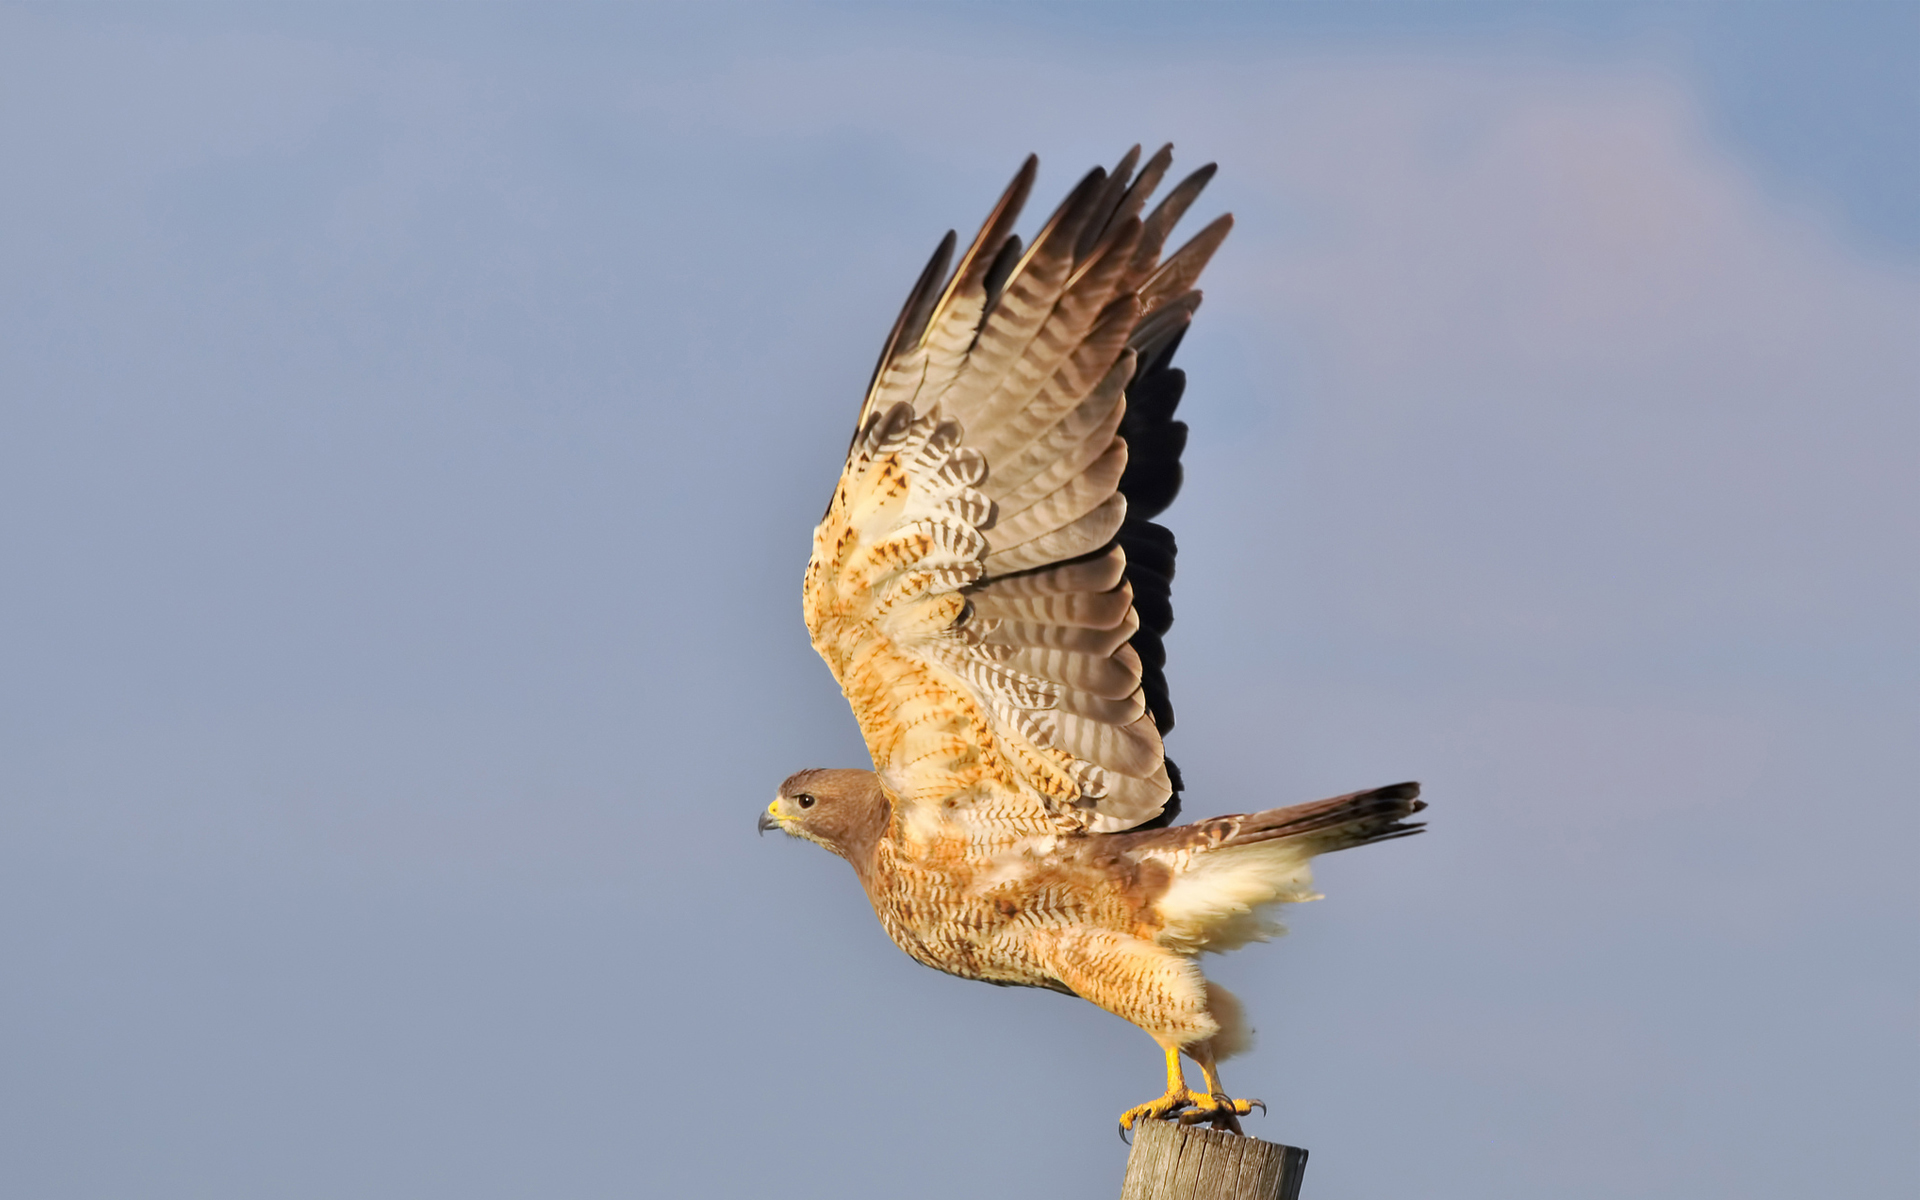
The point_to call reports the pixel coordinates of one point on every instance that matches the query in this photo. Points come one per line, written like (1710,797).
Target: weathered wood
(1180,1162)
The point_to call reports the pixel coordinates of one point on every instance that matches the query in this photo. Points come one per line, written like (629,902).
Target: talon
(1169,1105)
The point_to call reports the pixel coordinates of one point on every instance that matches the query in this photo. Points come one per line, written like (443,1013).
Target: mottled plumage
(989,589)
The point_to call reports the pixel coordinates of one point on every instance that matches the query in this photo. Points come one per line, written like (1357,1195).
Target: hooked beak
(767,821)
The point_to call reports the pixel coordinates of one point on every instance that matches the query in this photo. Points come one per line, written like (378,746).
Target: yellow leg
(1221,1109)
(1187,1106)
(1176,1098)
(1212,1074)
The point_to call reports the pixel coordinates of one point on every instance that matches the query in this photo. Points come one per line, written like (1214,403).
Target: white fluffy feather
(1217,897)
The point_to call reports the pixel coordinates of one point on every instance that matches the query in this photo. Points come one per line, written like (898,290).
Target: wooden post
(1171,1161)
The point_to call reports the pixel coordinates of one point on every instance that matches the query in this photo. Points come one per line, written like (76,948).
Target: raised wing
(987,585)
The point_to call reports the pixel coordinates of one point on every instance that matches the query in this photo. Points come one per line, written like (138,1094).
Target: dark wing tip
(912,321)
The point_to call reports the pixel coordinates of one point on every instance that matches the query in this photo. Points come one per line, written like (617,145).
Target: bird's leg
(1216,1107)
(1177,1097)
(1149,985)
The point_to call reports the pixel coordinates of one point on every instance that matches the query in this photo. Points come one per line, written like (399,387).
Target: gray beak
(767,822)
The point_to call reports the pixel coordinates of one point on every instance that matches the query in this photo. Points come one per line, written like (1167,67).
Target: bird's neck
(860,842)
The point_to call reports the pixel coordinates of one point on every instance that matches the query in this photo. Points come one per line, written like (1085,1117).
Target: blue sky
(411,423)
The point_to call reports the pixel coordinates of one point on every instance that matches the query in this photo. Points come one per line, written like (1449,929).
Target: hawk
(990,591)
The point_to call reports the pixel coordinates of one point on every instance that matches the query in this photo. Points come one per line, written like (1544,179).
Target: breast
(931,910)
(971,917)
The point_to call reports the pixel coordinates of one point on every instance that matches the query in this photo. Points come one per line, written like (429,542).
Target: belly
(942,920)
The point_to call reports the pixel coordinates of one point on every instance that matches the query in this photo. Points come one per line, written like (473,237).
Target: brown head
(843,810)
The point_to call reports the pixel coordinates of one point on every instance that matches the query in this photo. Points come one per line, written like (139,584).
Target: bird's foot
(1222,1112)
(1191,1108)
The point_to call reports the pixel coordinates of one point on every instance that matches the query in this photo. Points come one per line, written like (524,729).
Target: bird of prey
(990,591)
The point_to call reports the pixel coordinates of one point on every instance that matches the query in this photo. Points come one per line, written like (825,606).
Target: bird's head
(843,810)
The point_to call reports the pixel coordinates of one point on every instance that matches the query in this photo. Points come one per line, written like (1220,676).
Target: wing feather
(1100,709)
(1079,610)
(1079,639)
(1166,215)
(1025,303)
(1082,433)
(1061,362)
(1078,495)
(1178,275)
(1108,676)
(1082,535)
(986,584)
(1100,574)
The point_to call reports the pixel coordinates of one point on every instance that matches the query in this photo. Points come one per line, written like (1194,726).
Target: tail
(1356,819)
(1228,870)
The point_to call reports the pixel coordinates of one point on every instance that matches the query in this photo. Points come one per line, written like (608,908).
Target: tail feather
(1356,819)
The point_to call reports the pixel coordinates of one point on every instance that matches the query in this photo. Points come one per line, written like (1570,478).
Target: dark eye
(803,800)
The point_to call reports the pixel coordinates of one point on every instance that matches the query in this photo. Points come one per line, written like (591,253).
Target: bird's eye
(803,800)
